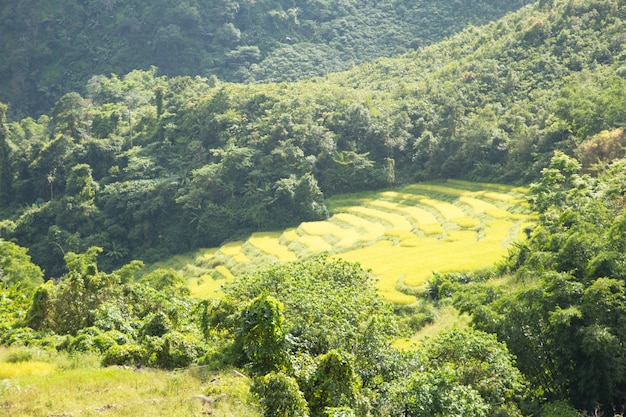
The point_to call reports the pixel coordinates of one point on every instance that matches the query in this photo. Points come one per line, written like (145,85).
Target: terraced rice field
(402,235)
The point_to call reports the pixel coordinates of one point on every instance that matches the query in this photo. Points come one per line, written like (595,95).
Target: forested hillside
(146,166)
(141,165)
(50,48)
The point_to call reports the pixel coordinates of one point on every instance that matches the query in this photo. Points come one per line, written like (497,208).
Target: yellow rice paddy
(234,250)
(402,235)
(269,243)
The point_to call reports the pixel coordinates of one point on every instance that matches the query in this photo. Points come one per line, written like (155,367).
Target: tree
(436,393)
(334,383)
(69,116)
(566,323)
(16,268)
(80,184)
(6,169)
(260,336)
(328,303)
(481,362)
(280,396)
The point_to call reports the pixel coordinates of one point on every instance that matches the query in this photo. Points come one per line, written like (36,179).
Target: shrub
(129,354)
(280,396)
(174,350)
(559,409)
(157,324)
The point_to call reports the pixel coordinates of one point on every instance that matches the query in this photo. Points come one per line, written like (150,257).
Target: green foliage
(174,350)
(261,337)
(565,326)
(280,396)
(558,409)
(328,303)
(236,40)
(163,279)
(334,384)
(481,362)
(491,103)
(437,393)
(127,354)
(16,268)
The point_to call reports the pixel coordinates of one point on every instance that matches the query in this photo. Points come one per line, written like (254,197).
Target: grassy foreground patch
(84,389)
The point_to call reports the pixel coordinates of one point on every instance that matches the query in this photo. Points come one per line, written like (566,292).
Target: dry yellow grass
(117,392)
(270,244)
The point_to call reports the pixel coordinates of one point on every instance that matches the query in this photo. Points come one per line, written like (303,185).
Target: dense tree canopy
(108,168)
(49,49)
(566,323)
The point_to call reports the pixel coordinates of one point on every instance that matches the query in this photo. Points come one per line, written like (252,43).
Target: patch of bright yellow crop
(505,198)
(435,188)
(206,287)
(345,236)
(18,369)
(289,236)
(269,243)
(223,273)
(480,206)
(315,244)
(404,237)
(426,221)
(414,198)
(431,229)
(396,221)
(233,249)
(466,222)
(416,264)
(448,211)
(373,230)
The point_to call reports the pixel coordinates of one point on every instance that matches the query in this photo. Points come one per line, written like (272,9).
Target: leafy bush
(279,396)
(173,350)
(559,409)
(128,354)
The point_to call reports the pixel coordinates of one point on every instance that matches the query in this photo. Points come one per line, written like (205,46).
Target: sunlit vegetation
(70,386)
(242,40)
(347,275)
(396,236)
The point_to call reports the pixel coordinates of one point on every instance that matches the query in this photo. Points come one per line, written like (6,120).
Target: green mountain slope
(50,48)
(151,166)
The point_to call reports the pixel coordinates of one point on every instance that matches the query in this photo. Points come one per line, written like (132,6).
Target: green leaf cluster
(565,323)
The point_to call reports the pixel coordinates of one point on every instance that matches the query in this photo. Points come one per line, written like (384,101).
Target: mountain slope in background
(489,104)
(50,48)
